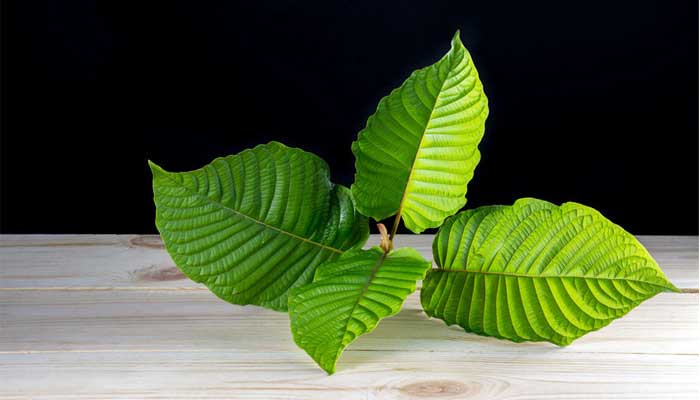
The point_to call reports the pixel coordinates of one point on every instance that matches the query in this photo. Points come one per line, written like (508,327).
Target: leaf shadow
(411,336)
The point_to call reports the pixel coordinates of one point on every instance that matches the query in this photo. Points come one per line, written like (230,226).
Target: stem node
(386,243)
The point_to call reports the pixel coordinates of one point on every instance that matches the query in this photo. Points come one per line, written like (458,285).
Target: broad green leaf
(253,225)
(419,149)
(348,298)
(538,272)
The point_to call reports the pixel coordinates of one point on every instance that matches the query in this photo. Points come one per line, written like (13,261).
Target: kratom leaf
(538,272)
(348,298)
(419,150)
(253,225)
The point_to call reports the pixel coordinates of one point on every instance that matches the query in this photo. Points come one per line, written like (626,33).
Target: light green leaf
(538,272)
(253,225)
(419,150)
(348,298)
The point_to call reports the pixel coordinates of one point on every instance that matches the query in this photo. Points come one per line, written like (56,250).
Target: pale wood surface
(110,317)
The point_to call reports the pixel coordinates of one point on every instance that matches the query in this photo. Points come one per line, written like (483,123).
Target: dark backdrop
(592,101)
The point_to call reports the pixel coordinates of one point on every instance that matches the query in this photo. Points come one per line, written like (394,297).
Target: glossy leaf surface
(349,297)
(419,149)
(538,272)
(253,225)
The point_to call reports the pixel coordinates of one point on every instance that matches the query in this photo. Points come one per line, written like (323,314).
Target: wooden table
(111,317)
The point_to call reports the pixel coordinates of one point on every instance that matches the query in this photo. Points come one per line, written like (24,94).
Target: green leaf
(253,225)
(348,298)
(538,272)
(419,149)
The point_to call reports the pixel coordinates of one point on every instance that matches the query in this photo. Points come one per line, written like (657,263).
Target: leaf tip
(329,364)
(155,168)
(158,172)
(330,369)
(673,288)
(456,39)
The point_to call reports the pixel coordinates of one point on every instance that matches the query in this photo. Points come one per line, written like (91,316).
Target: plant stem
(395,227)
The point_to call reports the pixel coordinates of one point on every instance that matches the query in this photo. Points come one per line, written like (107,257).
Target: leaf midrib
(511,274)
(363,292)
(415,157)
(240,214)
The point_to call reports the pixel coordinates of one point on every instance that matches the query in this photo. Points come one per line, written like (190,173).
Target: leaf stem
(395,227)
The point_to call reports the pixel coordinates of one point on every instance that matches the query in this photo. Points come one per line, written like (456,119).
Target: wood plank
(197,320)
(45,261)
(133,261)
(365,375)
(179,344)
(109,317)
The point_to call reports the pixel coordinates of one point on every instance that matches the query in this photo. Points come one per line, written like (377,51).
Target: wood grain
(134,261)
(95,317)
(196,320)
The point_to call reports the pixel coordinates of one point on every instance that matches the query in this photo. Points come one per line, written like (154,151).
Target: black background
(592,101)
